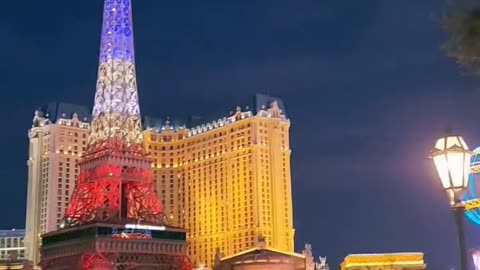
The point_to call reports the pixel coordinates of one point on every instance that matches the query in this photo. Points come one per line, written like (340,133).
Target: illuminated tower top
(115,184)
(117,32)
(116,114)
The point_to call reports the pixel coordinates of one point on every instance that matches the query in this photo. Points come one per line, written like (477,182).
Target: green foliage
(462,21)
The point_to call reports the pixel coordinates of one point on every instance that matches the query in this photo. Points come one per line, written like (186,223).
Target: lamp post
(452,161)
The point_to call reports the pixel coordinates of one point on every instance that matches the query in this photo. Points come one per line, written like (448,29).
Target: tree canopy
(462,22)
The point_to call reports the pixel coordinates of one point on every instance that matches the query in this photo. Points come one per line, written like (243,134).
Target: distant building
(12,250)
(12,245)
(261,257)
(387,261)
(57,140)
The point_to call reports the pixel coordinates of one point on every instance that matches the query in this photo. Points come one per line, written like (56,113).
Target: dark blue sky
(365,84)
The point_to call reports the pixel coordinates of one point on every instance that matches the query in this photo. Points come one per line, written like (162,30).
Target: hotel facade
(56,142)
(227,181)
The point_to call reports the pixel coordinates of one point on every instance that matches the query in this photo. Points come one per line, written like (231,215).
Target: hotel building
(226,181)
(57,139)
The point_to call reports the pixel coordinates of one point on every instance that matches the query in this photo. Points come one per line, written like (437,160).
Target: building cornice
(216,124)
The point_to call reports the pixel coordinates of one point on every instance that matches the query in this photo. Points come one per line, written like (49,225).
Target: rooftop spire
(116,113)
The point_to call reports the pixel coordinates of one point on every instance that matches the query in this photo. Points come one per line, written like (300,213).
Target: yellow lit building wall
(227,182)
(387,261)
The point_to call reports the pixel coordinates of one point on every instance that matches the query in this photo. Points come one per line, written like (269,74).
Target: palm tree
(462,22)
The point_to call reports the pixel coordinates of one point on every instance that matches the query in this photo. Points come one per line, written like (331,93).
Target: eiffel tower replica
(114,219)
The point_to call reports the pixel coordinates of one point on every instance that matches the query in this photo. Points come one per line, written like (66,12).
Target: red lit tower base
(108,247)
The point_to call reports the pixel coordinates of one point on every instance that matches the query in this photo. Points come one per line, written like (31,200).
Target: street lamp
(452,160)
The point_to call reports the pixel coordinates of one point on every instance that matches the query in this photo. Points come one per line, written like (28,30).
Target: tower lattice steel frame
(115,164)
(115,190)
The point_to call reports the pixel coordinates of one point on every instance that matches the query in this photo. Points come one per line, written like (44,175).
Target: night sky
(365,84)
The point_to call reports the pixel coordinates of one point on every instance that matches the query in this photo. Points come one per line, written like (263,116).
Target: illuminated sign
(145,227)
(131,234)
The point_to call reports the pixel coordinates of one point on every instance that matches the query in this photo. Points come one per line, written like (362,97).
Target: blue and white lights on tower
(117,32)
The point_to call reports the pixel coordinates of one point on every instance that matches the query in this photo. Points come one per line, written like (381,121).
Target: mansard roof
(260,103)
(56,110)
